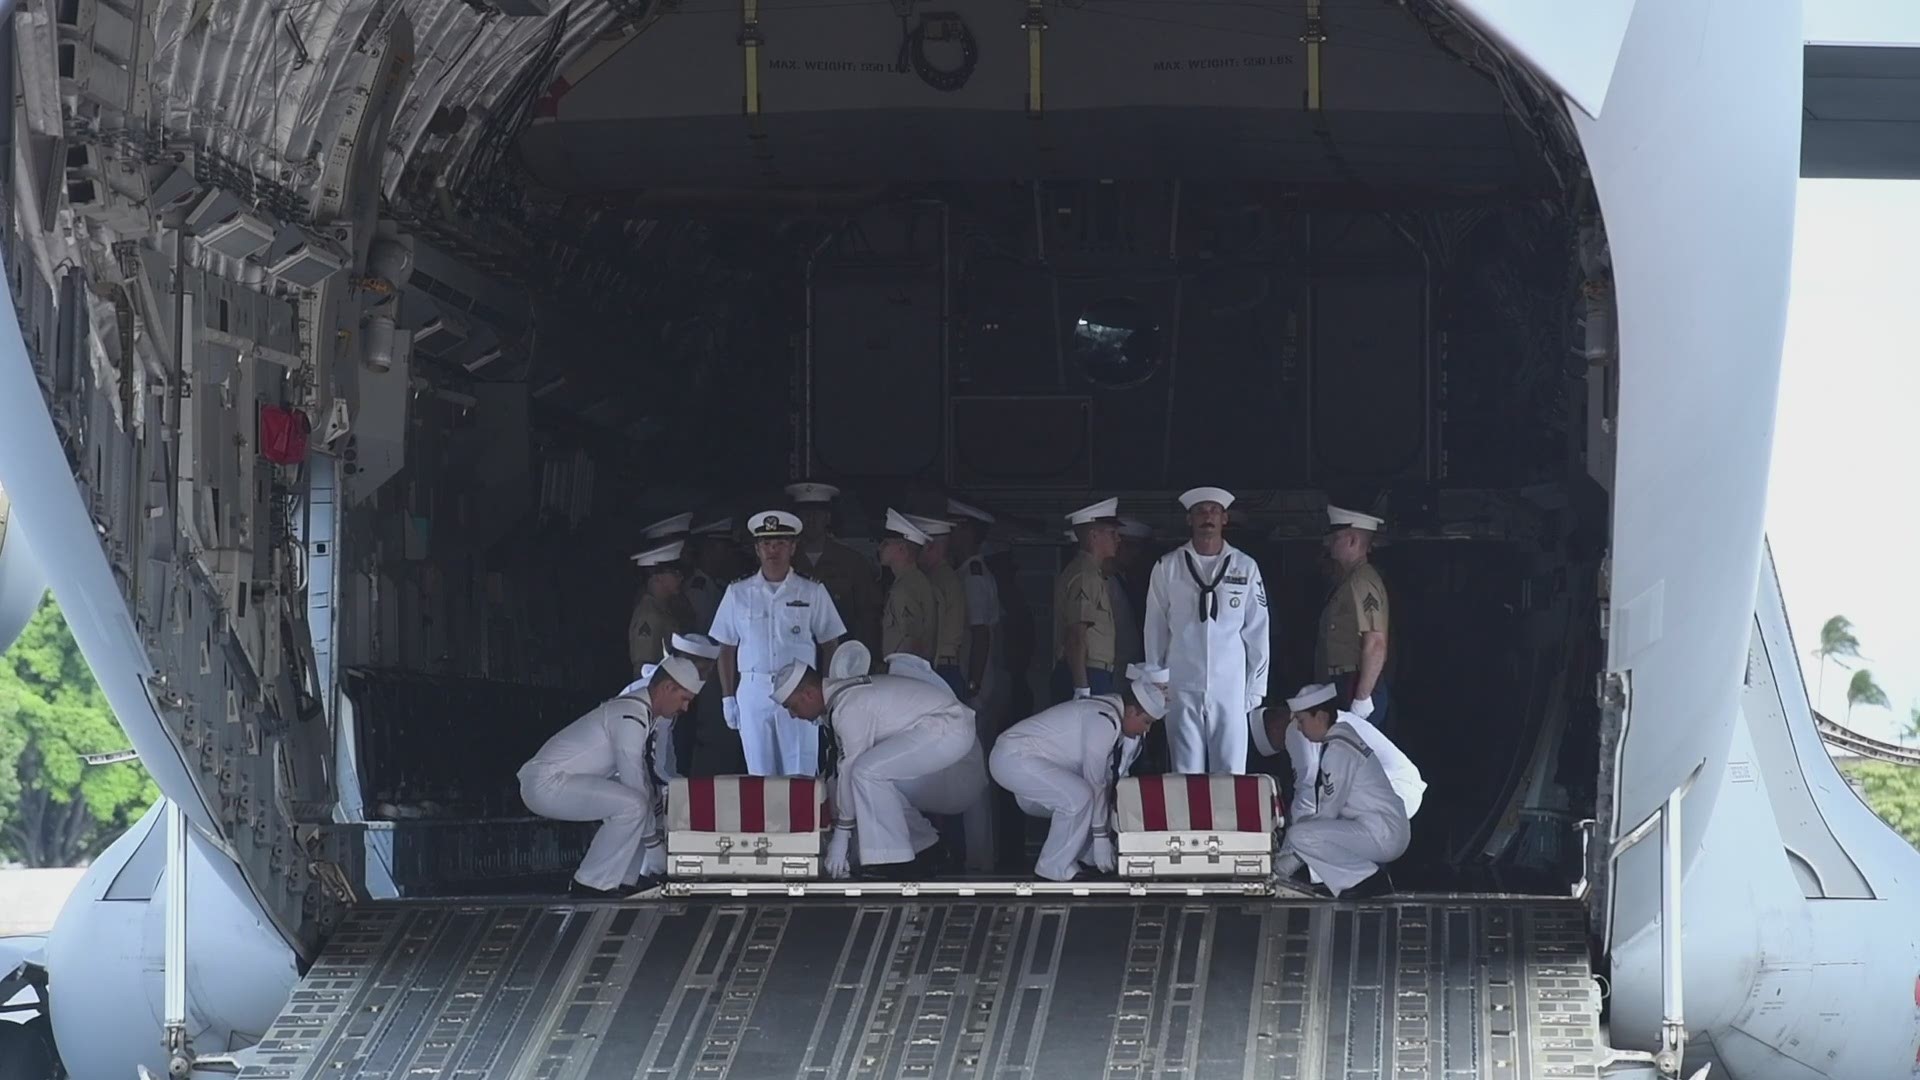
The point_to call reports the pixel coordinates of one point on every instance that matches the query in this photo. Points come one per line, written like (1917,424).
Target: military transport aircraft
(353,341)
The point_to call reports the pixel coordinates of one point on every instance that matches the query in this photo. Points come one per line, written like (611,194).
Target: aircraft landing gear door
(1696,94)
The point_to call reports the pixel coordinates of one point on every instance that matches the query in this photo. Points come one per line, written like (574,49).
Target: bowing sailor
(601,768)
(1063,763)
(899,749)
(1350,813)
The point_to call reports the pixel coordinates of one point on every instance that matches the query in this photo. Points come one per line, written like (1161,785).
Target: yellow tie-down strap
(1035,25)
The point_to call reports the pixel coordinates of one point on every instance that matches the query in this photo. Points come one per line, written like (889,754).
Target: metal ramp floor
(1447,989)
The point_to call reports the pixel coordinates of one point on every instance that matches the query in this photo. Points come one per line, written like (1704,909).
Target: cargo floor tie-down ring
(945,26)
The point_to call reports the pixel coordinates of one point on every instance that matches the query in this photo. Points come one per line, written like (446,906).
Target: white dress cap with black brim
(812,492)
(900,527)
(666,555)
(933,527)
(681,670)
(1257,732)
(722,527)
(1195,496)
(1151,696)
(699,645)
(666,528)
(960,509)
(1106,511)
(1341,518)
(1135,530)
(774,525)
(787,680)
(1158,676)
(1311,695)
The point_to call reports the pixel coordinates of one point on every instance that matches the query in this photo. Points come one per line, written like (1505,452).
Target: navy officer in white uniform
(1348,818)
(900,748)
(1206,622)
(601,768)
(767,620)
(1063,764)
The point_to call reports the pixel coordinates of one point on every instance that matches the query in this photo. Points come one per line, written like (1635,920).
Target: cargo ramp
(945,988)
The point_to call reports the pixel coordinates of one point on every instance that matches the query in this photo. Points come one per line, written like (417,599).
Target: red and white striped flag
(1179,803)
(745,804)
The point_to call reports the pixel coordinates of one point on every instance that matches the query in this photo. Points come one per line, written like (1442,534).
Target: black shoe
(894,871)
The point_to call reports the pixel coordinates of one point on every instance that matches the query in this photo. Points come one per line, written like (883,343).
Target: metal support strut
(179,1043)
(1671,1057)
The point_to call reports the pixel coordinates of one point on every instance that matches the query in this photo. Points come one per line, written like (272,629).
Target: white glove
(1081,693)
(730,708)
(1102,856)
(653,862)
(836,863)
(1362,707)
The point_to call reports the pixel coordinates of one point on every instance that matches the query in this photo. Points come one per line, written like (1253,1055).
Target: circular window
(1116,341)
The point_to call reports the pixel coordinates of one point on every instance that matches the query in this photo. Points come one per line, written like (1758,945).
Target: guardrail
(1844,738)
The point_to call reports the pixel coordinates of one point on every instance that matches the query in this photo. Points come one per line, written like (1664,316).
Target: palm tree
(1836,641)
(1862,690)
(1912,734)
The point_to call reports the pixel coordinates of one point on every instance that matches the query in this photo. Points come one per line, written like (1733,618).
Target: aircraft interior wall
(1022,345)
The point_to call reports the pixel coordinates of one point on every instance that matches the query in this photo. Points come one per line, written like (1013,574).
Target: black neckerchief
(830,739)
(1209,603)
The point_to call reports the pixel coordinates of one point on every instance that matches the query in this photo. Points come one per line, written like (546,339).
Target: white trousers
(1343,852)
(1045,789)
(896,779)
(626,844)
(1207,728)
(775,742)
(978,820)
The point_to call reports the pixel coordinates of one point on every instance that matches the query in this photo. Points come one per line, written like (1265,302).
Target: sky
(1843,509)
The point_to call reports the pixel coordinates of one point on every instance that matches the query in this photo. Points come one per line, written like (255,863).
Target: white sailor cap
(1151,696)
(850,658)
(774,525)
(811,492)
(721,527)
(1257,731)
(1158,676)
(1195,496)
(1134,529)
(787,680)
(677,525)
(901,526)
(933,527)
(664,555)
(1106,510)
(681,670)
(960,509)
(1339,518)
(699,645)
(1311,695)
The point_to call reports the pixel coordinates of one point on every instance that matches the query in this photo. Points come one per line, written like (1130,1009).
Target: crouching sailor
(1354,791)
(600,768)
(1063,763)
(894,749)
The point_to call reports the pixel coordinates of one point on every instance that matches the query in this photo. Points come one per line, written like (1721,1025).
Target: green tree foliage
(1894,793)
(1862,690)
(56,810)
(1837,644)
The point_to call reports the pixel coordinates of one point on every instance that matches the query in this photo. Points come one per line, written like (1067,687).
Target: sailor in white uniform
(600,768)
(767,620)
(673,755)
(899,745)
(1206,622)
(1350,815)
(1063,763)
